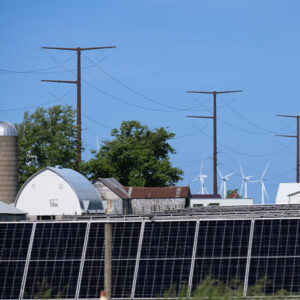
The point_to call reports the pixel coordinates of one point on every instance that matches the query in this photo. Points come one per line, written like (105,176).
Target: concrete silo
(8,162)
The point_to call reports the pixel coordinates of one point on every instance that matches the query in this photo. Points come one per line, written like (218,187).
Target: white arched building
(55,191)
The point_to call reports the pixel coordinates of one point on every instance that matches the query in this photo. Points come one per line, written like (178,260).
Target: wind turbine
(263,187)
(224,180)
(202,178)
(245,180)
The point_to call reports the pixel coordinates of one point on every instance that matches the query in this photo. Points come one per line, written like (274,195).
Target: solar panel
(65,259)
(55,260)
(14,241)
(275,257)
(125,239)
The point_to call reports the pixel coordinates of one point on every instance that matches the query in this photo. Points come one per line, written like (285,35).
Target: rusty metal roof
(158,192)
(115,186)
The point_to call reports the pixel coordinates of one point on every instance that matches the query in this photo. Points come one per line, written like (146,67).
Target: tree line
(135,155)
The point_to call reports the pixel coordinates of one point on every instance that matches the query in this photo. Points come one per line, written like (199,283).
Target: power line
(136,92)
(27,107)
(214,118)
(78,83)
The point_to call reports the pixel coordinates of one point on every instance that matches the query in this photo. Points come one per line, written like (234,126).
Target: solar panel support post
(78,83)
(214,117)
(246,280)
(27,261)
(297,138)
(138,256)
(107,259)
(190,284)
(86,237)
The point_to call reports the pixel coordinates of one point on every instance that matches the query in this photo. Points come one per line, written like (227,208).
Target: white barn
(56,191)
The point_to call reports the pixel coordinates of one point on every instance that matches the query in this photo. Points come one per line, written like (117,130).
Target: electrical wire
(242,153)
(27,107)
(136,92)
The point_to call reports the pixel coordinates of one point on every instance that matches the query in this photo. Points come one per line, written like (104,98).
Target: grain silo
(8,162)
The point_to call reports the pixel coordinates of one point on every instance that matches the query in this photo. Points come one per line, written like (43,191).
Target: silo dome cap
(7,129)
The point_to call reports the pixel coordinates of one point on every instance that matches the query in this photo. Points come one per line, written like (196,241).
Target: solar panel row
(66,259)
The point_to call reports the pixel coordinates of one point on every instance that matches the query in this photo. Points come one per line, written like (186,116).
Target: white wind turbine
(201,177)
(224,180)
(263,187)
(245,180)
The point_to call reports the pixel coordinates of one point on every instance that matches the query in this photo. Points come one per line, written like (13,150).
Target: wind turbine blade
(228,175)
(264,189)
(241,170)
(265,170)
(195,179)
(220,173)
(254,181)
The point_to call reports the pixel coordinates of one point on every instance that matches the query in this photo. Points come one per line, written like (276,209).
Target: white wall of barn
(48,194)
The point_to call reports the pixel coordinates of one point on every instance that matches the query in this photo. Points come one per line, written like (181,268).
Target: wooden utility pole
(78,83)
(214,117)
(107,259)
(293,136)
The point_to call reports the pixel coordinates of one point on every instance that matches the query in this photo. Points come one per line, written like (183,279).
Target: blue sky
(165,48)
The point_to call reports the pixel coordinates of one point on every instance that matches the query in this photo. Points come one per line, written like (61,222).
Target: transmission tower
(293,136)
(214,117)
(78,83)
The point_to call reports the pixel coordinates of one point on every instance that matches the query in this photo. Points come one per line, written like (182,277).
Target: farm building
(242,247)
(114,197)
(149,199)
(211,199)
(57,191)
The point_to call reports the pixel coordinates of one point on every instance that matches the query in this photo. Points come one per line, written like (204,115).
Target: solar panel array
(66,259)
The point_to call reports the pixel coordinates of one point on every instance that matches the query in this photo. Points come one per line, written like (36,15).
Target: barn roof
(158,192)
(87,194)
(114,185)
(7,209)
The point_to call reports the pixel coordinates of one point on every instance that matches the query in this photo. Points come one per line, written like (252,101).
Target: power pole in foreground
(78,83)
(293,136)
(214,117)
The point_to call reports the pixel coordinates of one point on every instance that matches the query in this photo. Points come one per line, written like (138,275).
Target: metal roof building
(58,191)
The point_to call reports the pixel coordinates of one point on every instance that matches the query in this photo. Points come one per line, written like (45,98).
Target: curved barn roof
(87,194)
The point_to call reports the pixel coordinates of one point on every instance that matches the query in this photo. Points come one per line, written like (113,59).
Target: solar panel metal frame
(165,218)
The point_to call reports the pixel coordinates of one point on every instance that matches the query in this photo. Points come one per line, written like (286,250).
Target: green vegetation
(233,194)
(137,156)
(46,137)
(210,289)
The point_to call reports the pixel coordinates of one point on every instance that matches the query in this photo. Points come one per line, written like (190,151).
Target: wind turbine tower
(201,177)
(245,180)
(224,181)
(263,187)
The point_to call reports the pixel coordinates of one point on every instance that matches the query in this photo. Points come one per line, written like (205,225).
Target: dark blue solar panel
(11,274)
(93,278)
(95,246)
(273,275)
(14,240)
(51,279)
(168,239)
(276,238)
(157,277)
(223,238)
(230,272)
(58,241)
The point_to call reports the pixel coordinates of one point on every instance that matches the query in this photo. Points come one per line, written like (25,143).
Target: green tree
(136,156)
(233,194)
(46,137)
